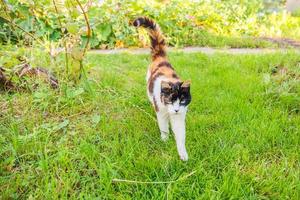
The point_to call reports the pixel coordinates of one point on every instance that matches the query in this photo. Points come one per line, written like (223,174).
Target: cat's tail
(158,45)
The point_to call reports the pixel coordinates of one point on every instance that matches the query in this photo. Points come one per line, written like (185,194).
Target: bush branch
(88,32)
(64,42)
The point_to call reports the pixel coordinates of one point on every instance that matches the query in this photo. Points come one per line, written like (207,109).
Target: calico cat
(169,95)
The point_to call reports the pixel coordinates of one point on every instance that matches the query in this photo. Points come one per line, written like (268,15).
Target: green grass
(243,143)
(203,38)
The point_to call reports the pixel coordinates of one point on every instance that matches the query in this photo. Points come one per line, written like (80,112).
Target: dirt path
(283,42)
(206,50)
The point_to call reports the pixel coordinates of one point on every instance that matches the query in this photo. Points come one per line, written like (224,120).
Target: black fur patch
(165,63)
(153,41)
(151,81)
(144,22)
(160,53)
(174,75)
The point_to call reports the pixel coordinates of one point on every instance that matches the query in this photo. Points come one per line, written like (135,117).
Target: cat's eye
(183,101)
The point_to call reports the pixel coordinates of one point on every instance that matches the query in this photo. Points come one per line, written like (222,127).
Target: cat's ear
(165,86)
(186,86)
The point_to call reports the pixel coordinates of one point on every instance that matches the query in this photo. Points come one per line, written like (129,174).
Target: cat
(169,95)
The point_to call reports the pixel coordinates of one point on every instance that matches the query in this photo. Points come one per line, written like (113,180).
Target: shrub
(183,22)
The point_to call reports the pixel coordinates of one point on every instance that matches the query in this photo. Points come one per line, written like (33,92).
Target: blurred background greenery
(232,23)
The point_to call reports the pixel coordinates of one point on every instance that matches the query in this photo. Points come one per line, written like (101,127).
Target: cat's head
(176,96)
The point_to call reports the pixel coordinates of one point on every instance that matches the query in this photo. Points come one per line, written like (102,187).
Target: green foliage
(296,13)
(183,22)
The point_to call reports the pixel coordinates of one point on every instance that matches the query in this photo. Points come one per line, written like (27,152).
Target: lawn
(243,142)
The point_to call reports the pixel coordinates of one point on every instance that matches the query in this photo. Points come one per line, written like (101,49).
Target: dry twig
(153,182)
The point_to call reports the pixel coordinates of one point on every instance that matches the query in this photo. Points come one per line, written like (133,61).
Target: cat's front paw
(164,136)
(184,156)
